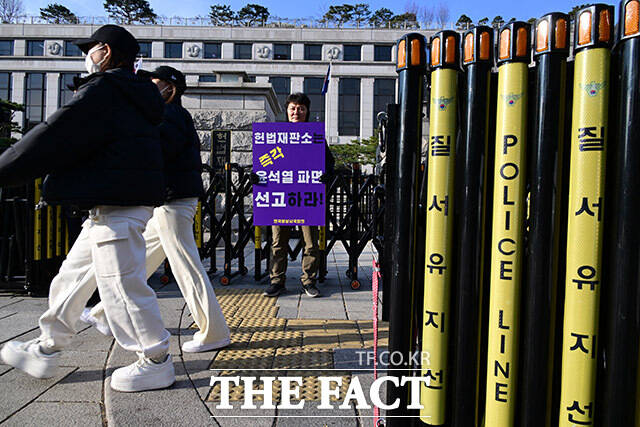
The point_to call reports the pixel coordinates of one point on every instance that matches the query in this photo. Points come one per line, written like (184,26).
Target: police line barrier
(537,184)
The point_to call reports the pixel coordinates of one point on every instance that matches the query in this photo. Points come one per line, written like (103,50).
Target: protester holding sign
(169,233)
(297,106)
(101,151)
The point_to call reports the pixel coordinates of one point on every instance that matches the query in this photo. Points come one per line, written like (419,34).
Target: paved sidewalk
(290,332)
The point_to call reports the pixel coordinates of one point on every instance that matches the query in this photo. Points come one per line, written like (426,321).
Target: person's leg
(69,292)
(175,228)
(154,257)
(131,307)
(310,260)
(279,257)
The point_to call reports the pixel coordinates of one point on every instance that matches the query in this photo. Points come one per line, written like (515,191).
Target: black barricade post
(257,240)
(235,208)
(401,243)
(539,290)
(620,328)
(390,149)
(355,202)
(225,280)
(470,202)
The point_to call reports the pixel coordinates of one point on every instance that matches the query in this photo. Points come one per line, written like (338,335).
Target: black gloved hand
(255,179)
(325,178)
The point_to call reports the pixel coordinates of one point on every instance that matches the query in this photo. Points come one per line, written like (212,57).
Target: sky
(475,9)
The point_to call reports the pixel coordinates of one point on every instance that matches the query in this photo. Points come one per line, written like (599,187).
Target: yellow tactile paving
(257,324)
(258,358)
(303,358)
(277,339)
(261,342)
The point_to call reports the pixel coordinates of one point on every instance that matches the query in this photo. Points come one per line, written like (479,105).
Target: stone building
(235,75)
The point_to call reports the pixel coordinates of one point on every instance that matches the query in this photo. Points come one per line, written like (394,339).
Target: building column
(297,51)
(366,107)
(227,51)
(20,47)
(331,110)
(52,91)
(157,49)
(17,96)
(297,84)
(367,53)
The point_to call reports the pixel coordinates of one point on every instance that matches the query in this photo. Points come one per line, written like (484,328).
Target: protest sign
(289,160)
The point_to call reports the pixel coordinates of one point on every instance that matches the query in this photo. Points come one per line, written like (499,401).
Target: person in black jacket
(101,151)
(169,232)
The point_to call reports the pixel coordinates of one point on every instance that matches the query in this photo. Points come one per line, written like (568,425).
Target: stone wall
(233,106)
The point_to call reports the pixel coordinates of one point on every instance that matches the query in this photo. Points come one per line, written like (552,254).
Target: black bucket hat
(115,36)
(168,74)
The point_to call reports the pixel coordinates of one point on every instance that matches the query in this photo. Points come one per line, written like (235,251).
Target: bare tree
(427,15)
(411,7)
(10,10)
(442,15)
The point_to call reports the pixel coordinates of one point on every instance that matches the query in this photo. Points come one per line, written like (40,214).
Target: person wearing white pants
(101,151)
(169,234)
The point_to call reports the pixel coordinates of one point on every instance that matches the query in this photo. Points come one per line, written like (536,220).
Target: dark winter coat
(102,148)
(181,147)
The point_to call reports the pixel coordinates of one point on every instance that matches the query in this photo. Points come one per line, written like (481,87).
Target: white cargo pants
(169,234)
(109,253)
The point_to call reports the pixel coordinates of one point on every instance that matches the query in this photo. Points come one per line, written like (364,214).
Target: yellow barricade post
(59,228)
(445,65)
(589,128)
(197,225)
(37,222)
(508,210)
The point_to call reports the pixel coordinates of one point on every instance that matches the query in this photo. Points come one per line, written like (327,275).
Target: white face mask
(88,62)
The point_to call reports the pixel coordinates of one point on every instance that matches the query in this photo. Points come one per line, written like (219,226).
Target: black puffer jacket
(181,147)
(102,148)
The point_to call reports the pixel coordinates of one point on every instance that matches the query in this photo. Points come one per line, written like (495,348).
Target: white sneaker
(28,357)
(144,375)
(102,327)
(194,346)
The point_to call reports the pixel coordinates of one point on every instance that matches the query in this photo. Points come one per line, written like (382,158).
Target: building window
(212,50)
(352,52)
(6,47)
(382,53)
(35,47)
(71,49)
(312,52)
(145,50)
(281,51)
(250,79)
(242,50)
(312,87)
(207,78)
(384,92)
(282,88)
(5,86)
(349,107)
(173,49)
(35,94)
(65,93)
